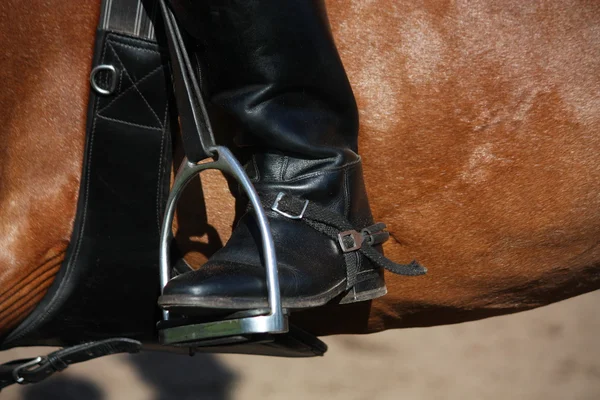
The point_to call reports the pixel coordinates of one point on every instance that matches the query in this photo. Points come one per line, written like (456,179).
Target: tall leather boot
(273,67)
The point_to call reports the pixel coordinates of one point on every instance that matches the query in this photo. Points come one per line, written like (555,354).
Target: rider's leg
(273,67)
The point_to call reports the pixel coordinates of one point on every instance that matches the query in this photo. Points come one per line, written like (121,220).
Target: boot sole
(369,287)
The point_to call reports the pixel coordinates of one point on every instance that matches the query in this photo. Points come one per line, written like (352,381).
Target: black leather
(196,129)
(108,284)
(33,371)
(272,66)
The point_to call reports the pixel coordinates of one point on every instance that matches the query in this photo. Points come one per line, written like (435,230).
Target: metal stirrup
(194,117)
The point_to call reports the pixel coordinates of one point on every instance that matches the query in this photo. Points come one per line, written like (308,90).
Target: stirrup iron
(275,321)
(258,328)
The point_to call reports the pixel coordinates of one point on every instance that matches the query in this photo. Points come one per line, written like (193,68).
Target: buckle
(275,207)
(357,240)
(36,362)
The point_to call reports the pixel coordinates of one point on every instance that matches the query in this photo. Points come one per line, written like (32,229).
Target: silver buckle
(36,362)
(357,239)
(275,207)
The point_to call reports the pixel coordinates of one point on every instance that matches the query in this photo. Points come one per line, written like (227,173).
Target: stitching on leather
(131,88)
(132,47)
(134,84)
(120,81)
(123,37)
(130,123)
(160,168)
(163,123)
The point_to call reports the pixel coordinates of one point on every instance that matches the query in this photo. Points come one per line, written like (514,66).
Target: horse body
(47,49)
(478,134)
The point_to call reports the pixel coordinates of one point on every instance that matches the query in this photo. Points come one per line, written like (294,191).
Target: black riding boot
(273,67)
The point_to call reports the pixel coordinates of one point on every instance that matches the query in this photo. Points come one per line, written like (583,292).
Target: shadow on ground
(171,376)
(61,388)
(182,377)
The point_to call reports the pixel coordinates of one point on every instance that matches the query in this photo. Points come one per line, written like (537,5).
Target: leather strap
(196,131)
(340,230)
(34,370)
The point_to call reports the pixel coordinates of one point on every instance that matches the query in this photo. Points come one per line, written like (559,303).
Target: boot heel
(370,286)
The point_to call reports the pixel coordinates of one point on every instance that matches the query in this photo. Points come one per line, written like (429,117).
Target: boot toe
(224,285)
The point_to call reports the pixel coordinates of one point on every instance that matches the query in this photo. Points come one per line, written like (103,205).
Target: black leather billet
(16,372)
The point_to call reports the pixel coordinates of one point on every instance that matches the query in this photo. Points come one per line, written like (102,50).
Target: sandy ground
(548,353)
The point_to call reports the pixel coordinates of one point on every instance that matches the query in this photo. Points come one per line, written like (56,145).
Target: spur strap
(351,240)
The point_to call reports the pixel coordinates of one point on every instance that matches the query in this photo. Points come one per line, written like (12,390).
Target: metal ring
(113,79)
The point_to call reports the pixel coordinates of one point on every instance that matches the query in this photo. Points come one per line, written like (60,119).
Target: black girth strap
(34,370)
(339,229)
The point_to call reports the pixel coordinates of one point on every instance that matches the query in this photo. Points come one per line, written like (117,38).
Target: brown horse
(479,133)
